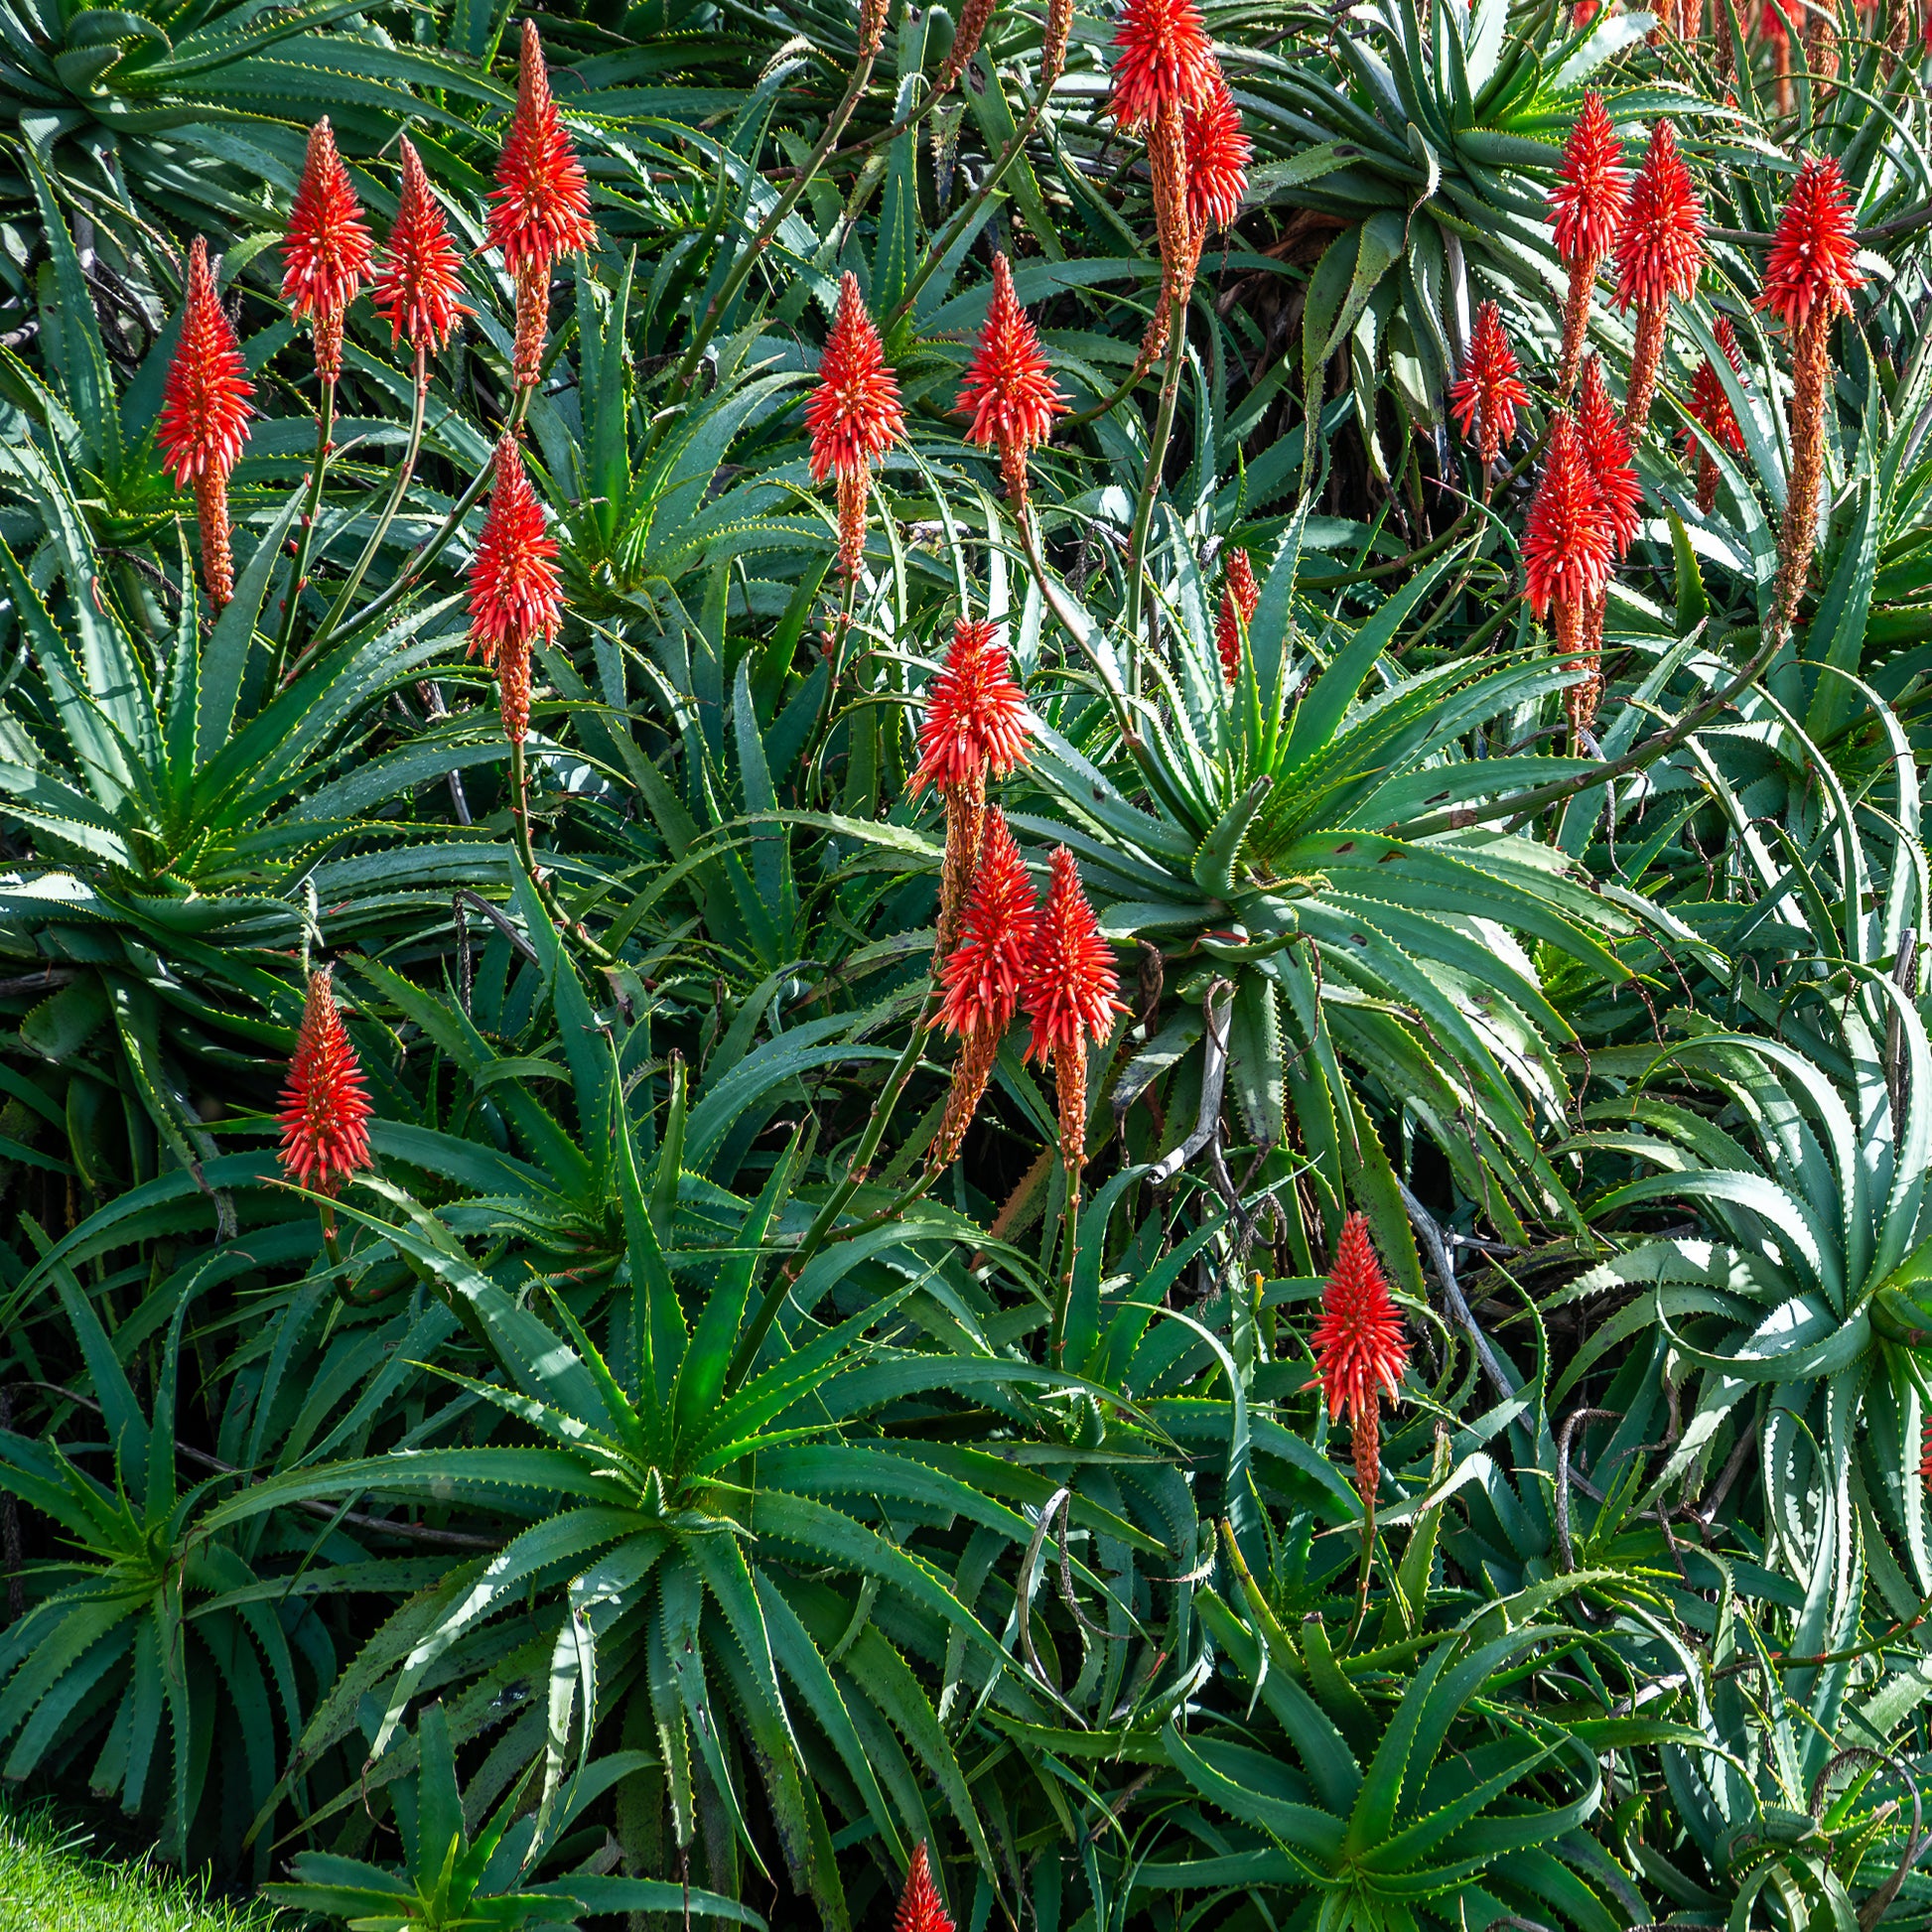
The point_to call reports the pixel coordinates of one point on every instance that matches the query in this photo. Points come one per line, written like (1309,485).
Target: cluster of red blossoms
(1485,397)
(1000,952)
(541,212)
(326,1103)
(1240,600)
(1360,1349)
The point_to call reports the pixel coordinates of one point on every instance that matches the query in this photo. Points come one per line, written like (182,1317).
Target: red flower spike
(1810,270)
(1217,151)
(418,284)
(853,415)
(1360,1348)
(542,200)
(1592,190)
(1566,539)
(515,595)
(1240,598)
(1161,57)
(1008,391)
(205,404)
(326,1104)
(981,977)
(326,251)
(1660,246)
(1069,996)
(919,1909)
(1606,456)
(1488,394)
(204,417)
(976,722)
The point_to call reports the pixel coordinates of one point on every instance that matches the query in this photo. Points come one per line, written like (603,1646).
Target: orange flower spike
(515,595)
(1008,390)
(1808,284)
(853,416)
(1587,207)
(981,978)
(1567,541)
(1360,1351)
(1485,397)
(326,253)
(1161,59)
(204,420)
(418,281)
(1217,151)
(1606,455)
(1240,598)
(919,1909)
(326,1107)
(542,203)
(1069,996)
(1659,253)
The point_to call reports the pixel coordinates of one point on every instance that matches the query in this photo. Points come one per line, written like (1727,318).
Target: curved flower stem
(874,1132)
(404,471)
(942,243)
(433,545)
(1063,1288)
(292,603)
(1156,457)
(769,227)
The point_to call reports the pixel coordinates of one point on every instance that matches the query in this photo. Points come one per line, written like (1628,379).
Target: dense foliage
(992,940)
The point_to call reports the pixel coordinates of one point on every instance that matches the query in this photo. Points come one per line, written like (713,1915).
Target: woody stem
(298,576)
(1063,1288)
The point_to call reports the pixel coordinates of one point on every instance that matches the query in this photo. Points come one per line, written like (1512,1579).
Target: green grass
(49,1883)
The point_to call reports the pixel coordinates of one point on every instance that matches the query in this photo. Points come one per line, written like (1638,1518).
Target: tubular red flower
(1566,539)
(1592,190)
(325,250)
(418,283)
(919,1909)
(1360,1348)
(542,200)
(1069,996)
(853,416)
(1710,409)
(1240,598)
(1009,391)
(1606,456)
(1161,57)
(1810,270)
(980,979)
(1488,394)
(976,722)
(326,1104)
(1217,151)
(204,403)
(1660,246)
(515,595)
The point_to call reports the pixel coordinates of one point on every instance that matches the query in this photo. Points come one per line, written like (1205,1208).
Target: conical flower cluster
(542,203)
(1620,497)
(1485,397)
(1240,598)
(326,251)
(1808,283)
(1587,208)
(1009,391)
(1712,411)
(1360,1348)
(515,595)
(326,1107)
(1567,541)
(1659,253)
(975,727)
(418,279)
(204,417)
(853,416)
(1217,151)
(919,1909)
(1069,996)
(980,978)
(1161,59)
